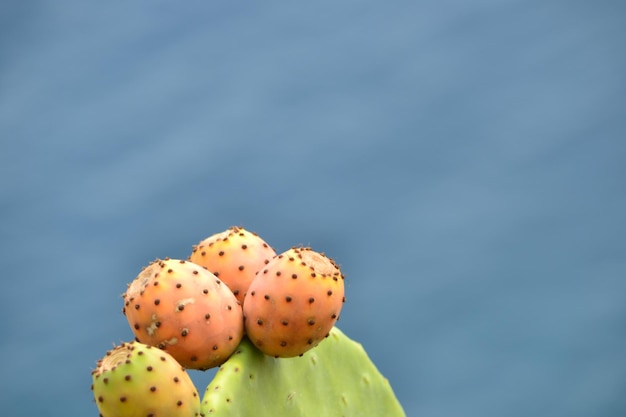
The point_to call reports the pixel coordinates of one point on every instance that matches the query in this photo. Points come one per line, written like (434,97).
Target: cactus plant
(337,378)
(134,380)
(234,256)
(293,361)
(293,302)
(184,309)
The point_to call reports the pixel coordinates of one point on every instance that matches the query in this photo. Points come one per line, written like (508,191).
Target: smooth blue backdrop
(463,161)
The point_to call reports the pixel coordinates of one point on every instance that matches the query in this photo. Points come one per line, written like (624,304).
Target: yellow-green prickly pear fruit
(137,380)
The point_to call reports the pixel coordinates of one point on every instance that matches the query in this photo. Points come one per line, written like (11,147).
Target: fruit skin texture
(293,302)
(134,379)
(234,256)
(184,309)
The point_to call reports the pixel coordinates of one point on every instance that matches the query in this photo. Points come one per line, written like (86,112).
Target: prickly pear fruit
(184,309)
(134,379)
(234,256)
(293,302)
(335,379)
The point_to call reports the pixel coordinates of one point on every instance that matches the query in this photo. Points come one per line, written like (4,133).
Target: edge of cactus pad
(336,378)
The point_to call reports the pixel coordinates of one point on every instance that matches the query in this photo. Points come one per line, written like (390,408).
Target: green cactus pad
(336,378)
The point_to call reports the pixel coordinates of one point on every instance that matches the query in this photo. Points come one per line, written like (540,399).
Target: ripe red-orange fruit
(293,302)
(184,309)
(234,256)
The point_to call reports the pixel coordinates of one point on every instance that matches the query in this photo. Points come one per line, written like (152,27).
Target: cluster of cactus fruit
(258,315)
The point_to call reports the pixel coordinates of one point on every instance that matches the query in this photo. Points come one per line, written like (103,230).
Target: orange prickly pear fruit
(293,302)
(184,309)
(234,256)
(134,379)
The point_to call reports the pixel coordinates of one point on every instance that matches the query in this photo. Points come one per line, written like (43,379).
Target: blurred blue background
(464,162)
